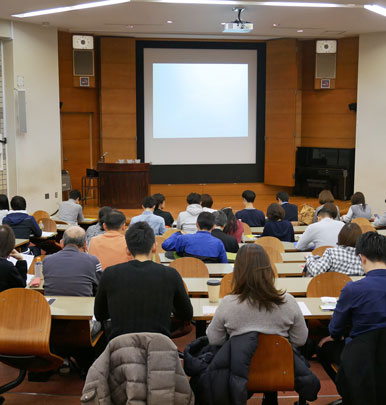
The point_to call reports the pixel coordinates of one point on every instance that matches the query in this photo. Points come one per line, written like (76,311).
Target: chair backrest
(274,256)
(272,365)
(361,221)
(226,285)
(327,284)
(320,250)
(367,228)
(170,232)
(49,224)
(38,215)
(271,241)
(247,229)
(160,240)
(190,267)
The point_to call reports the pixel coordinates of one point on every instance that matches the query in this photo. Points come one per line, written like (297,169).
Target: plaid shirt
(341,259)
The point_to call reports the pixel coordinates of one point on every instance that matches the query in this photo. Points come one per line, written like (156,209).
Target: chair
(361,221)
(190,267)
(247,229)
(367,228)
(226,285)
(170,232)
(272,365)
(320,250)
(327,284)
(274,256)
(38,215)
(25,324)
(49,224)
(271,241)
(160,240)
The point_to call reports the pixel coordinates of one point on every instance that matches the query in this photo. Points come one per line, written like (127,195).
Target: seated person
(342,258)
(97,229)
(140,295)
(187,220)
(22,224)
(71,211)
(380,221)
(325,196)
(361,306)
(156,222)
(324,232)
(234,227)
(11,276)
(4,207)
(72,271)
(250,215)
(291,210)
(230,242)
(202,244)
(358,209)
(110,247)
(159,209)
(206,203)
(277,226)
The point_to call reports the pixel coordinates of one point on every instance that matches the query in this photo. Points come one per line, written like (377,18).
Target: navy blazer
(291,211)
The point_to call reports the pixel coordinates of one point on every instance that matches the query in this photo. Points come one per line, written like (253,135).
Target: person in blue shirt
(291,210)
(156,222)
(201,244)
(277,226)
(361,306)
(250,215)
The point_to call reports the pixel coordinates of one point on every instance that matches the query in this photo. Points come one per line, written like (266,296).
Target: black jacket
(12,276)
(362,372)
(220,374)
(230,242)
(167,216)
(291,211)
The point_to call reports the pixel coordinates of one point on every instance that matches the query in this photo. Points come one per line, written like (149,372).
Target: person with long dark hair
(234,227)
(358,209)
(277,226)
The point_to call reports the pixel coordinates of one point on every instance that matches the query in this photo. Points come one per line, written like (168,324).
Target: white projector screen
(199,106)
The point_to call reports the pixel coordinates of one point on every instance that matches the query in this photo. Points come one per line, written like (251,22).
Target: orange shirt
(109,248)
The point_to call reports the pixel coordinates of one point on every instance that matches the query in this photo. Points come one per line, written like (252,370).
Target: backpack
(306,214)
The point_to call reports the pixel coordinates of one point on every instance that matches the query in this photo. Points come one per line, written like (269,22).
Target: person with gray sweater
(358,209)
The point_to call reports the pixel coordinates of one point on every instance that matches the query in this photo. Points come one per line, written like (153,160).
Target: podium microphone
(102,158)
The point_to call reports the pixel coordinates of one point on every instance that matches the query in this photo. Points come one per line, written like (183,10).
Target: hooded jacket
(23,225)
(187,220)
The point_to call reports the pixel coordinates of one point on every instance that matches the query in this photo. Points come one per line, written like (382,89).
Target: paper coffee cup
(213,290)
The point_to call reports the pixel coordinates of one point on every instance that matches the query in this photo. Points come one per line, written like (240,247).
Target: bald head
(74,235)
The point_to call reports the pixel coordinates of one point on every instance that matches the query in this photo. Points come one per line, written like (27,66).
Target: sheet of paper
(47,234)
(27,258)
(208,310)
(30,277)
(329,300)
(304,308)
(328,307)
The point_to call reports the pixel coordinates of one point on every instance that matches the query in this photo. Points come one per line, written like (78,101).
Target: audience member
(358,209)
(156,222)
(187,220)
(97,229)
(22,224)
(110,247)
(380,221)
(361,306)
(324,232)
(291,210)
(72,271)
(140,295)
(202,244)
(230,242)
(71,211)
(4,207)
(342,259)
(234,227)
(277,226)
(250,215)
(325,196)
(206,203)
(11,276)
(159,209)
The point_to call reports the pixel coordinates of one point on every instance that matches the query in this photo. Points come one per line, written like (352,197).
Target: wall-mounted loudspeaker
(21,111)
(325,64)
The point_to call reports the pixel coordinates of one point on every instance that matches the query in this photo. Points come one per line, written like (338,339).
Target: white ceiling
(147,18)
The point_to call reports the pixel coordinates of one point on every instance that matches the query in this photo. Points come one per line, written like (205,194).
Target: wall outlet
(47,196)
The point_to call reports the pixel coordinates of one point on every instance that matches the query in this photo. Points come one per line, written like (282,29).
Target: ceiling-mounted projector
(238,26)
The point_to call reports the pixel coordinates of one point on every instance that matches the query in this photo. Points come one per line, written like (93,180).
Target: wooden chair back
(274,256)
(247,229)
(361,221)
(190,267)
(226,285)
(272,365)
(320,250)
(367,228)
(58,221)
(25,324)
(271,241)
(38,215)
(169,232)
(327,284)
(160,240)
(49,224)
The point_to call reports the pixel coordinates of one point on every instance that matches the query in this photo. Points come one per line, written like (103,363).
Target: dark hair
(148,202)
(275,212)
(231,225)
(329,209)
(206,200)
(349,234)
(249,196)
(74,194)
(283,196)
(102,215)
(220,219)
(325,196)
(114,220)
(18,203)
(140,238)
(205,221)
(358,198)
(159,199)
(193,198)
(7,241)
(372,245)
(4,204)
(78,240)
(254,279)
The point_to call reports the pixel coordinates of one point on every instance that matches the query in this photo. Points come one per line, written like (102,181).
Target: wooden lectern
(123,185)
